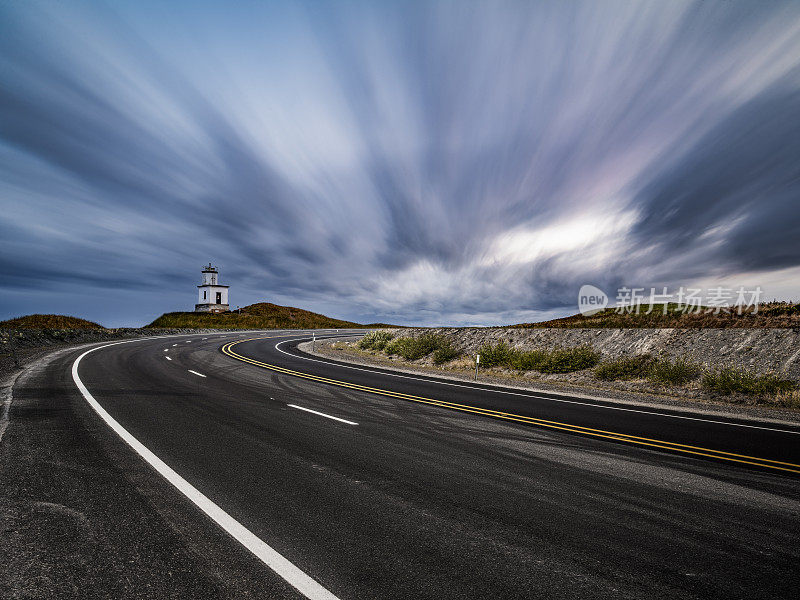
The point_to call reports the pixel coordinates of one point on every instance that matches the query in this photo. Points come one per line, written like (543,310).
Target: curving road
(234,465)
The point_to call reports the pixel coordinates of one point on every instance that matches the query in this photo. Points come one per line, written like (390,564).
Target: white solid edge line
(6,404)
(316,412)
(501,391)
(264,552)
(196,373)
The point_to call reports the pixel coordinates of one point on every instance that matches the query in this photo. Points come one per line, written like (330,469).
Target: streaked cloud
(443,162)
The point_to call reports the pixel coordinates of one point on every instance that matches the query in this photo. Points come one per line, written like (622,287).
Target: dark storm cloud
(401,161)
(742,177)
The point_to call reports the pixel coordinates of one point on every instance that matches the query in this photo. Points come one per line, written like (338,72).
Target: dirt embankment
(760,350)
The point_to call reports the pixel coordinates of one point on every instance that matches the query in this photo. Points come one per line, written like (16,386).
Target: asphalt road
(506,495)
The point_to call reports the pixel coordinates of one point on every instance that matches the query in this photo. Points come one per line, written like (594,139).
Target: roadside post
(477,362)
(314,341)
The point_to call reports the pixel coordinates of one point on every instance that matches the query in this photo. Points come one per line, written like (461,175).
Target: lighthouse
(211,296)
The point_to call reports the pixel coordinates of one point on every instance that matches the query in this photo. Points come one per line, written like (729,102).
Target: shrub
(393,346)
(494,355)
(416,347)
(365,343)
(381,341)
(669,372)
(567,360)
(409,348)
(730,379)
(562,360)
(789,399)
(375,340)
(628,367)
(431,342)
(527,361)
(413,348)
(445,353)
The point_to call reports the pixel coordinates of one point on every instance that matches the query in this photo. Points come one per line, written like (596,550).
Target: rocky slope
(761,350)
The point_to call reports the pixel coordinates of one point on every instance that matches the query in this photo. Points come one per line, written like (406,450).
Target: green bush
(380,344)
(494,355)
(445,353)
(393,347)
(418,347)
(730,379)
(562,360)
(528,361)
(413,348)
(375,340)
(628,367)
(409,348)
(669,372)
(567,360)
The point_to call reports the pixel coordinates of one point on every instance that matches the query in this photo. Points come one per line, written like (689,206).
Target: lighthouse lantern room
(211,296)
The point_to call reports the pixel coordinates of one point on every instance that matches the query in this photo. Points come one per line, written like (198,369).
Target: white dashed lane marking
(323,414)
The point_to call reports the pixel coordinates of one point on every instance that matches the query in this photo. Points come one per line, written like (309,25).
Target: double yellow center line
(597,433)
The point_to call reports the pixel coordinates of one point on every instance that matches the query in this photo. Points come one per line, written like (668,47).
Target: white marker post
(314,341)
(477,362)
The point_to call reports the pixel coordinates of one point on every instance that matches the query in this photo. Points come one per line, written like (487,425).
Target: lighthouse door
(219,297)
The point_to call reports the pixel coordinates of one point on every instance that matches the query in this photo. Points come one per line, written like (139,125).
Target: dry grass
(771,314)
(729,380)
(788,399)
(263,315)
(49,322)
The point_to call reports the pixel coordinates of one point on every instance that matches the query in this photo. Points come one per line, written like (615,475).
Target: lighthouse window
(204,294)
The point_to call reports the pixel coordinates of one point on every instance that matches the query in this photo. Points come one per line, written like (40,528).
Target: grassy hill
(263,315)
(770,314)
(49,322)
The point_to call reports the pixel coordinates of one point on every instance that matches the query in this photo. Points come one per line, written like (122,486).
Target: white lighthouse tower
(211,296)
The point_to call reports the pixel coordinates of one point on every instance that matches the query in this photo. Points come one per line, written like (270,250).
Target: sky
(461,163)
